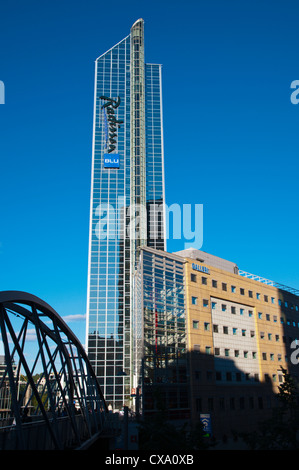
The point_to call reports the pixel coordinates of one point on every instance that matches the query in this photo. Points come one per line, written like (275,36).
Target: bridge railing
(35,435)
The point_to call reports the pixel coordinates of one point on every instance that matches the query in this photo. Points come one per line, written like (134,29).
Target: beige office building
(212,339)
(241,330)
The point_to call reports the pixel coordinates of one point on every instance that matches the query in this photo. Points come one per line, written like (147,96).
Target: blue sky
(230,130)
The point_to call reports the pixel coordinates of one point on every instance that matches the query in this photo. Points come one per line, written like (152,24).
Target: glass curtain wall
(127,171)
(160,343)
(155,191)
(108,327)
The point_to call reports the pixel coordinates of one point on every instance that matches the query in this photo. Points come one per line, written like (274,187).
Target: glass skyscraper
(127,204)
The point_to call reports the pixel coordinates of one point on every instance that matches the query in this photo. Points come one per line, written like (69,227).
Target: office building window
(193,277)
(210,375)
(195,324)
(194,300)
(198,405)
(197,375)
(210,404)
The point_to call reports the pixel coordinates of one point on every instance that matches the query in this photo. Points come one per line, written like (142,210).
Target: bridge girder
(36,340)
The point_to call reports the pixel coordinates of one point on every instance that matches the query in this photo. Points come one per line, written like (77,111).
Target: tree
(288,394)
(156,433)
(280,431)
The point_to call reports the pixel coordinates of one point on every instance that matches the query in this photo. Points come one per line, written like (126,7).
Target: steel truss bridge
(49,395)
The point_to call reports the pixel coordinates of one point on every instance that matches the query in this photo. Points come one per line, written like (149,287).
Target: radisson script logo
(111,123)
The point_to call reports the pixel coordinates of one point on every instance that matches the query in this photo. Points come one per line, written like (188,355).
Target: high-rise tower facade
(127,203)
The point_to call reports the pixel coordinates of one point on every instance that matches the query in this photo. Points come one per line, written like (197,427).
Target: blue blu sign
(202,269)
(111,160)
